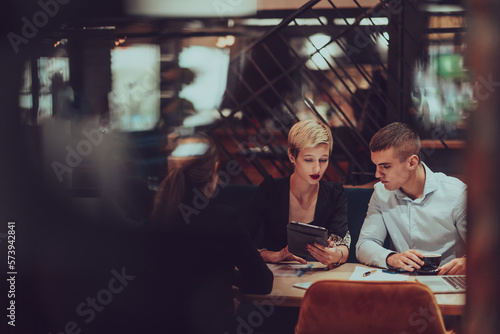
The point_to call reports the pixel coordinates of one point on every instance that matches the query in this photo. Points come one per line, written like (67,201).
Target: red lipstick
(314,177)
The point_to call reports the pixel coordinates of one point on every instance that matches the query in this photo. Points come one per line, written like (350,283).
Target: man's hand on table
(409,260)
(454,267)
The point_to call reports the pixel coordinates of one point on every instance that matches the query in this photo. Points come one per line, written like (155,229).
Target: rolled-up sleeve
(369,248)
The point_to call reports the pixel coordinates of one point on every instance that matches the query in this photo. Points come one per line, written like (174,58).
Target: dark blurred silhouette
(192,246)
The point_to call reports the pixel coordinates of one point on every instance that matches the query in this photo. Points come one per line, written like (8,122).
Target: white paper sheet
(304,285)
(376,275)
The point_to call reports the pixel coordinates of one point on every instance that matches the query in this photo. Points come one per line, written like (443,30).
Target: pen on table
(368,273)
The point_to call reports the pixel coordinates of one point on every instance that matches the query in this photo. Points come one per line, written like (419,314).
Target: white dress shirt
(434,223)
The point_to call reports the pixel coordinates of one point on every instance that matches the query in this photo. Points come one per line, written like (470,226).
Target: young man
(422,211)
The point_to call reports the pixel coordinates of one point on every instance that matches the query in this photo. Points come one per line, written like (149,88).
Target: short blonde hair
(307,134)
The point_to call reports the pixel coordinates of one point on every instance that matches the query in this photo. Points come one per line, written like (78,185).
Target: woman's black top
(269,209)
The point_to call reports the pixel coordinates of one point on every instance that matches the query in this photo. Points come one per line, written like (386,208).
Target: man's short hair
(404,140)
(307,134)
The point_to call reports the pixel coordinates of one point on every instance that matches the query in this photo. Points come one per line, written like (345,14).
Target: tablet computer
(300,234)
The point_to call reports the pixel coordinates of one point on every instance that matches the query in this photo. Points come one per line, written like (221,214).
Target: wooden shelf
(437,144)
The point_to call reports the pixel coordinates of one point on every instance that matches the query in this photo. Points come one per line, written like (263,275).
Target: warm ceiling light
(222,42)
(230,40)
(120,41)
(61,42)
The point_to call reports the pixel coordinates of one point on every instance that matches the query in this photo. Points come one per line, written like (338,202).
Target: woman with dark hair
(192,249)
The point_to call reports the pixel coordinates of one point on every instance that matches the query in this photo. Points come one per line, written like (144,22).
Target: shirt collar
(429,186)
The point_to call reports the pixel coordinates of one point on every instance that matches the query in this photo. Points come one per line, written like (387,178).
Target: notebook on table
(445,283)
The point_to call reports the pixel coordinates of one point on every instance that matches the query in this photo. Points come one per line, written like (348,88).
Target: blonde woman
(302,197)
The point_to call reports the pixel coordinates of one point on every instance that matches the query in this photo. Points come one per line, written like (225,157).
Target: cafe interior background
(97,95)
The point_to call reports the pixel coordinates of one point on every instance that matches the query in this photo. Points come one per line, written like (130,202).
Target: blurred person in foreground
(192,249)
(421,211)
(302,197)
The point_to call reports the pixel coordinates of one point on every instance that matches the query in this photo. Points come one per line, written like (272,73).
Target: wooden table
(284,294)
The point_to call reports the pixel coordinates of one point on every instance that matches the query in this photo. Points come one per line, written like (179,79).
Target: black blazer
(270,206)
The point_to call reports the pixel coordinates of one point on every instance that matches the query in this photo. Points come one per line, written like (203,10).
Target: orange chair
(333,306)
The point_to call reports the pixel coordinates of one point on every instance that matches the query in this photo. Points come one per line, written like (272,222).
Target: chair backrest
(333,306)
(357,205)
